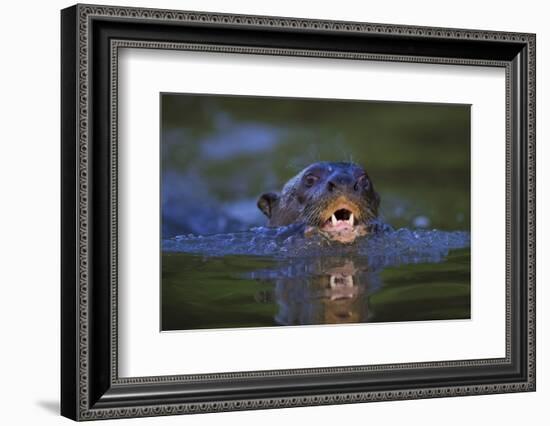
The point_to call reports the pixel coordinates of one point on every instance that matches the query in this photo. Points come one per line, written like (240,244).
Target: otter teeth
(335,221)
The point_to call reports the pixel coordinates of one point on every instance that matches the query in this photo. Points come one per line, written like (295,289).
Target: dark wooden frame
(90,386)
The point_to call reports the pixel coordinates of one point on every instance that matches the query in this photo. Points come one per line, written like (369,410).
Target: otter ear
(266,202)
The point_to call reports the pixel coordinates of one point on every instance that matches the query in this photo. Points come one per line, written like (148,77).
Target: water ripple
(387,248)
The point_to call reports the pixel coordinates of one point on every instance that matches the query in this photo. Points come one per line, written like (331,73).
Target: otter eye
(310,180)
(363,182)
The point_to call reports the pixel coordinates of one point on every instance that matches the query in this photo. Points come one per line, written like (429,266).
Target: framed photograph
(263,212)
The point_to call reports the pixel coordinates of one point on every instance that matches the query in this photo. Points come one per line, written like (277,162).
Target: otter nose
(340,181)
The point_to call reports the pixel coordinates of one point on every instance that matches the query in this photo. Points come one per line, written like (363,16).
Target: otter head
(337,200)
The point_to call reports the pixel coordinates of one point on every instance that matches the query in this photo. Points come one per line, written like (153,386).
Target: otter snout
(342,182)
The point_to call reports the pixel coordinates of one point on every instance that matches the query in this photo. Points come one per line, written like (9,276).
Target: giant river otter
(337,200)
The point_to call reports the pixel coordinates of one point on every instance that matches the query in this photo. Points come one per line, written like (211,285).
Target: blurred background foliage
(219,153)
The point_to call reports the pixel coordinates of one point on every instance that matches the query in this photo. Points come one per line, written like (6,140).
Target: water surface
(274,277)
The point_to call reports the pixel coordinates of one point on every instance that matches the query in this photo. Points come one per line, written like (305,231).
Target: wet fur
(293,206)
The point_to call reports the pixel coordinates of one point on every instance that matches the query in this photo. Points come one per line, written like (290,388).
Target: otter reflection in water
(320,291)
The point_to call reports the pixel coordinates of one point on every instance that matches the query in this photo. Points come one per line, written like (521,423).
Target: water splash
(387,248)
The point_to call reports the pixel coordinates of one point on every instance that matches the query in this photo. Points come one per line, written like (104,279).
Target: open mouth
(341,219)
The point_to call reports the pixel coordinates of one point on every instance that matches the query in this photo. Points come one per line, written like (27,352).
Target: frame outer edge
(69,190)
(81,386)
(83,207)
(531,200)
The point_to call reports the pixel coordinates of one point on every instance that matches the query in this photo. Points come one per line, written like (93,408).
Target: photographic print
(293,211)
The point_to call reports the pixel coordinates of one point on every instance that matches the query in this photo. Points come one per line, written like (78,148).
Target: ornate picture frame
(91,37)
